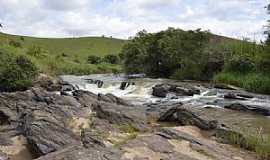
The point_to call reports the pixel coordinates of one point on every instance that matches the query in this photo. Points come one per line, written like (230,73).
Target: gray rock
(249,108)
(3,156)
(119,114)
(77,152)
(224,86)
(46,134)
(160,91)
(91,139)
(234,97)
(181,91)
(183,116)
(110,98)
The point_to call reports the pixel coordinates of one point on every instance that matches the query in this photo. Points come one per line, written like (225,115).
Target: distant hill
(65,55)
(83,46)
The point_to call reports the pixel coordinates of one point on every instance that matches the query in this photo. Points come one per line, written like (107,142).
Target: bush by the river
(16,72)
(198,55)
(110,58)
(173,52)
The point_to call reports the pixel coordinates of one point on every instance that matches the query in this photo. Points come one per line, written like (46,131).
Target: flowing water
(140,91)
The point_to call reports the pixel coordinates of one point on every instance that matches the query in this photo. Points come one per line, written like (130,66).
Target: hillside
(84,46)
(69,55)
(65,55)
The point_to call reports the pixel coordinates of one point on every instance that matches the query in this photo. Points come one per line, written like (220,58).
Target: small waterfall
(139,91)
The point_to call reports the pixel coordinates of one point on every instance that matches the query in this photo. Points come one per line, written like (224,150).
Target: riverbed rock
(234,97)
(181,91)
(122,115)
(180,143)
(47,82)
(162,90)
(110,98)
(224,86)
(46,134)
(77,152)
(125,85)
(249,108)
(184,116)
(3,156)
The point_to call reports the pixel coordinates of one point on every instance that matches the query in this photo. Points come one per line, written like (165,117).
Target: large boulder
(110,98)
(46,134)
(181,91)
(162,90)
(184,116)
(122,115)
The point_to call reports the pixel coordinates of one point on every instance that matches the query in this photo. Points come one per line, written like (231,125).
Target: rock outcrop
(162,90)
(104,127)
(52,122)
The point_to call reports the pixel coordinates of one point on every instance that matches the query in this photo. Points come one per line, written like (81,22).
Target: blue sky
(124,18)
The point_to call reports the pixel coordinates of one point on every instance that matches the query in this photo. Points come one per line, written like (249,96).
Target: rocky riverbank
(44,125)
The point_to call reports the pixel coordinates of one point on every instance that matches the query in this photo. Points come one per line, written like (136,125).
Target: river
(140,91)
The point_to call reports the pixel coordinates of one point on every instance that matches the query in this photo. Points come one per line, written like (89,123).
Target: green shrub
(36,51)
(188,71)
(21,38)
(256,142)
(112,59)
(239,64)
(263,64)
(93,59)
(163,54)
(15,44)
(16,72)
(254,82)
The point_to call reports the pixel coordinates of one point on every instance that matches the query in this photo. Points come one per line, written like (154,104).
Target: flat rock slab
(184,116)
(249,108)
(180,143)
(80,153)
(122,115)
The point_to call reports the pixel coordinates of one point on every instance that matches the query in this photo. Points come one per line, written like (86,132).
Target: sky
(124,18)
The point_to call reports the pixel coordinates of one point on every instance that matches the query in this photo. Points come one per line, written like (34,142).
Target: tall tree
(268,26)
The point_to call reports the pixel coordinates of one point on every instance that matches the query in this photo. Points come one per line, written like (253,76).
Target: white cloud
(123,18)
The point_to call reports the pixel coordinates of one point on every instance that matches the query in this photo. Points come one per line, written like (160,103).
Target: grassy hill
(64,55)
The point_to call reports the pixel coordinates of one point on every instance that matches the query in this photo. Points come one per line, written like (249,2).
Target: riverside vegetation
(199,55)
